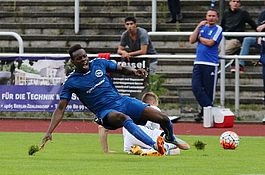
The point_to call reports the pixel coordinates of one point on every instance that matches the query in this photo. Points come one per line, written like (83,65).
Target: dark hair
(73,49)
(213,9)
(130,18)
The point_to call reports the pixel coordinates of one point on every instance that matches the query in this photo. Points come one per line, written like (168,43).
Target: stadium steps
(53,48)
(113,5)
(89,28)
(190,100)
(178,75)
(102,17)
(47,26)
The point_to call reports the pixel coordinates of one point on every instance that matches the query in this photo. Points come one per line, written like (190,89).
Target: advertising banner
(34,83)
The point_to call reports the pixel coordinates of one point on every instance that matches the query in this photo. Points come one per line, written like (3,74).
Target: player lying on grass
(135,146)
(96,91)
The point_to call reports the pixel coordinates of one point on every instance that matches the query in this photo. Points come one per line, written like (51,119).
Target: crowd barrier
(222,61)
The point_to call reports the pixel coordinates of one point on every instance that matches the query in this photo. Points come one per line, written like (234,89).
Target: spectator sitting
(136,41)
(234,20)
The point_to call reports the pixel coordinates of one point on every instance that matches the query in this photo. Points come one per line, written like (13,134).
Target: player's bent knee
(164,119)
(118,117)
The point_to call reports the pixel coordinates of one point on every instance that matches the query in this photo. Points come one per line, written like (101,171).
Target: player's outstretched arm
(55,120)
(103,137)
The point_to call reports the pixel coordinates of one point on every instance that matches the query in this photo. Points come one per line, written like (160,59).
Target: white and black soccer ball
(229,140)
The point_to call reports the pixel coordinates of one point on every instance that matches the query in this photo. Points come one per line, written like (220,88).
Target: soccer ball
(229,140)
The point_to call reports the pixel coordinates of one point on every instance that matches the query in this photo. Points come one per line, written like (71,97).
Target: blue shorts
(126,105)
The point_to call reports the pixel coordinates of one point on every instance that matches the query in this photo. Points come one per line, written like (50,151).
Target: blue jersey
(208,55)
(94,88)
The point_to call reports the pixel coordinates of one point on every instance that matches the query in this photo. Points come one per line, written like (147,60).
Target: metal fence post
(76,16)
(222,76)
(237,84)
(154,15)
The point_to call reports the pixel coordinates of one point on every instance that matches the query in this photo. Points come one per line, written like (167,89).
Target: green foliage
(254,107)
(33,149)
(81,154)
(28,69)
(155,84)
(169,106)
(61,31)
(68,67)
(199,145)
(163,9)
(5,68)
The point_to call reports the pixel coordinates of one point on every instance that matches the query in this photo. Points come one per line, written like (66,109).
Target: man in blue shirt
(204,75)
(92,85)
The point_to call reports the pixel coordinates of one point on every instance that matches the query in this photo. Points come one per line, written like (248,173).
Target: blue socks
(138,133)
(168,129)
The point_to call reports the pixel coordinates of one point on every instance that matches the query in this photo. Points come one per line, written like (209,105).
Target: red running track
(180,128)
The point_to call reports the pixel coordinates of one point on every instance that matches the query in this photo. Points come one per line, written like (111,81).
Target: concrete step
(94,29)
(100,17)
(185,90)
(88,29)
(191,100)
(183,65)
(102,5)
(183,40)
(248,75)
(85,29)
(250,78)
(63,46)
(177,87)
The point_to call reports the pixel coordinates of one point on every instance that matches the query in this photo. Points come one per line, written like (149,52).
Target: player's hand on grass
(45,139)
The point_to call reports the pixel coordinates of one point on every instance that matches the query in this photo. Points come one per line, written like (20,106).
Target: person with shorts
(94,88)
(135,146)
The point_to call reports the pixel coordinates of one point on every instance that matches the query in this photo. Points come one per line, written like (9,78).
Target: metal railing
(222,61)
(18,37)
(222,55)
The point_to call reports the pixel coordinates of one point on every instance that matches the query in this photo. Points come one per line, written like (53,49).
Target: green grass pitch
(81,154)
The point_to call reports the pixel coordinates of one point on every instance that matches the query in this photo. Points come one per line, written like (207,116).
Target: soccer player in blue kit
(204,76)
(92,85)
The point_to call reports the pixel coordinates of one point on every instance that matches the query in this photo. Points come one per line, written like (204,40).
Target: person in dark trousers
(175,11)
(204,76)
